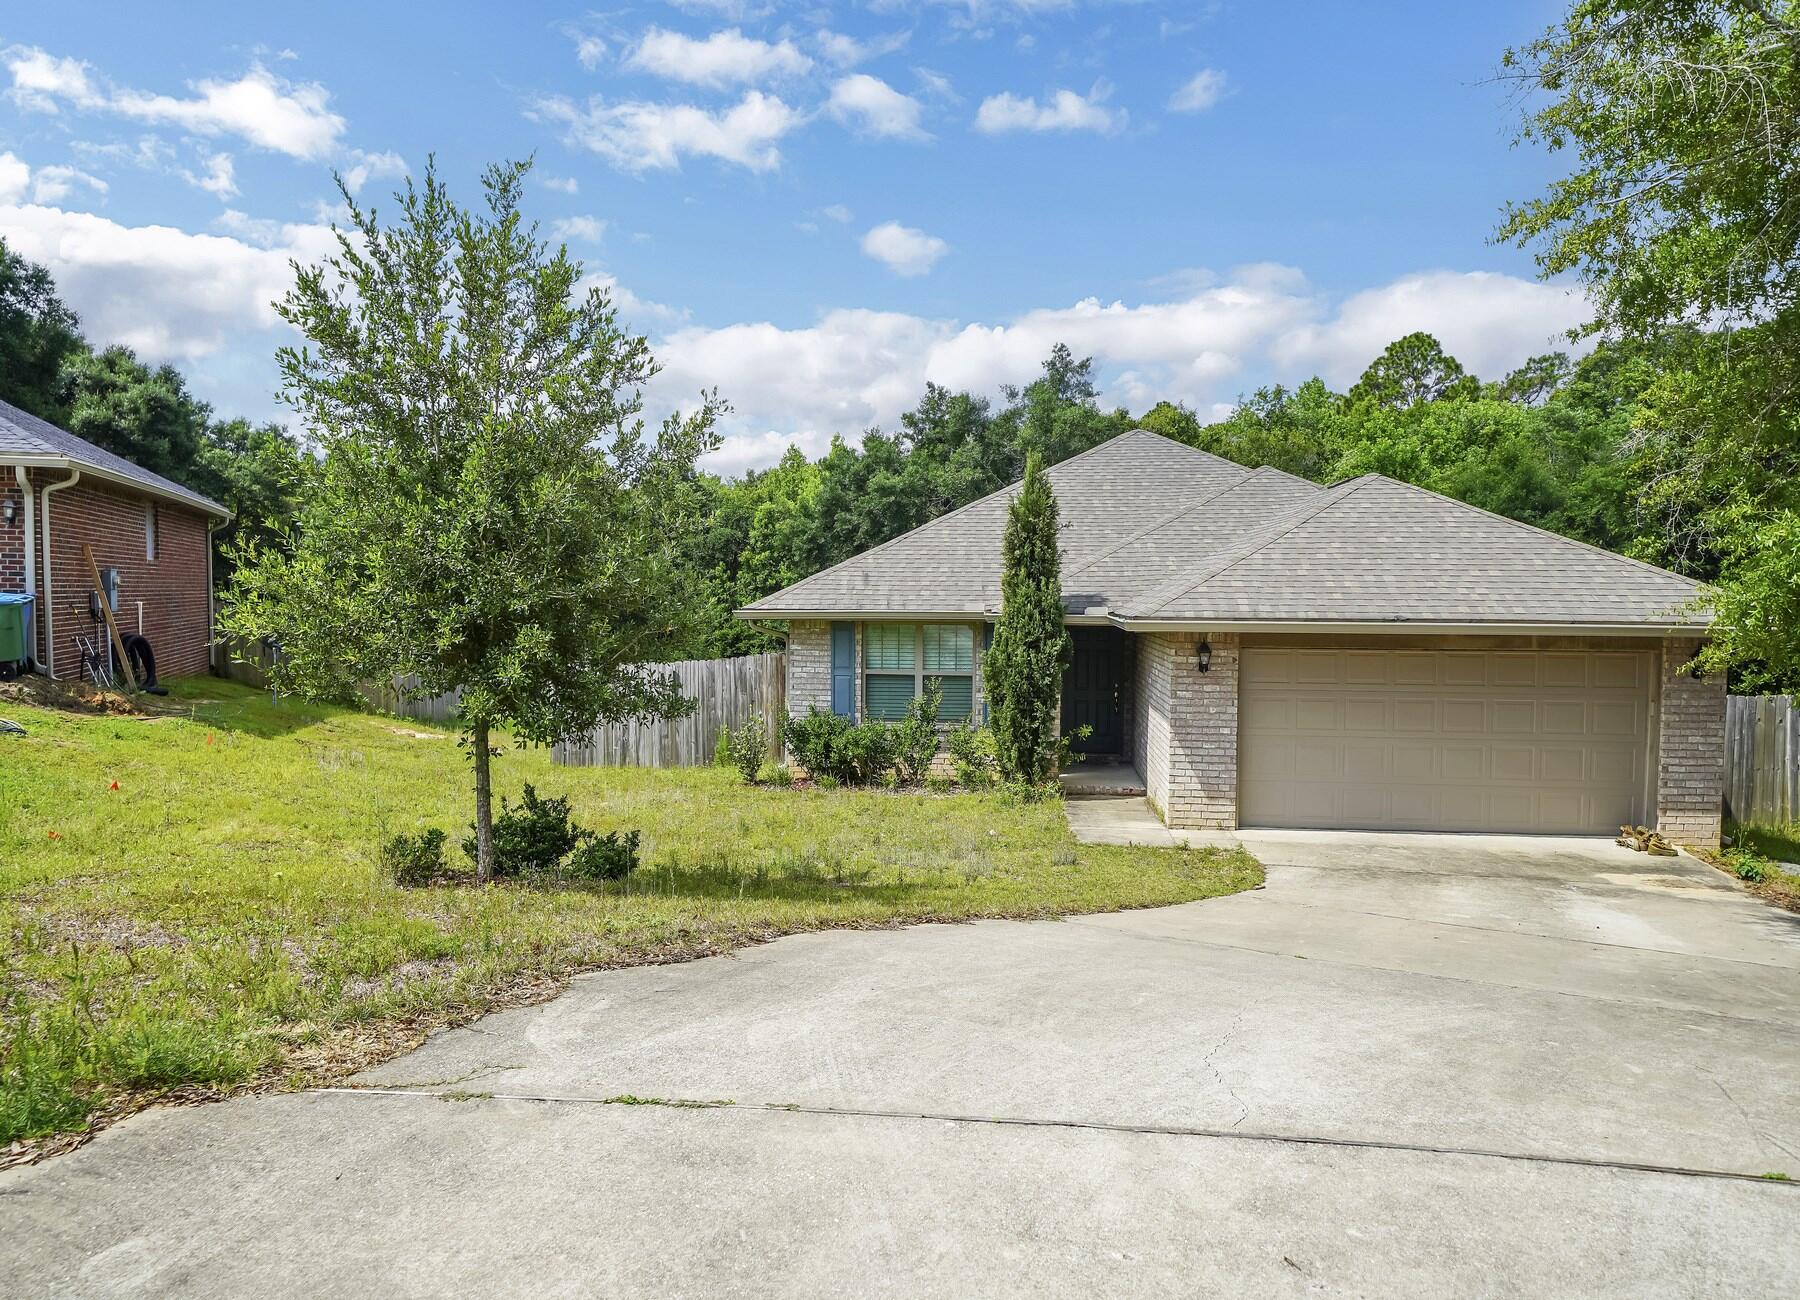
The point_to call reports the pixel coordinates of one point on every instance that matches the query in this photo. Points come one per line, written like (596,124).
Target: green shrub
(1746,864)
(834,749)
(747,747)
(916,738)
(413,859)
(779,775)
(532,838)
(972,756)
(813,741)
(722,749)
(865,753)
(939,784)
(612,856)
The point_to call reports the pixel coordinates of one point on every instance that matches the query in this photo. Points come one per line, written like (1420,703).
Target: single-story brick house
(58,493)
(1265,651)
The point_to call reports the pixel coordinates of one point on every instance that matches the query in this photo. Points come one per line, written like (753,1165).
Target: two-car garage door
(1542,742)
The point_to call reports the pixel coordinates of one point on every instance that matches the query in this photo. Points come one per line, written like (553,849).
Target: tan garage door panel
(1522,741)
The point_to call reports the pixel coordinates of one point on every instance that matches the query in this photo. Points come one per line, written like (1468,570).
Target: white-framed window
(150,531)
(899,658)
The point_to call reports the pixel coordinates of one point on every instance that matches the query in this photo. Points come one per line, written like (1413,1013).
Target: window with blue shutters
(899,658)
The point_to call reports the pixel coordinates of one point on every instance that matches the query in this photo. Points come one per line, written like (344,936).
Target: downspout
(30,548)
(49,664)
(212,625)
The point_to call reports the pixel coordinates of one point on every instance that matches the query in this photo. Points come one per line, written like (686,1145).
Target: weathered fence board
(726,693)
(1762,758)
(249,662)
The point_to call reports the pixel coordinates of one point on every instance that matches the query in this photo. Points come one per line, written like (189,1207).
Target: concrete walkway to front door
(1109,818)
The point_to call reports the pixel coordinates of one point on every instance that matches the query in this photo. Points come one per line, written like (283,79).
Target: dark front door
(1094,690)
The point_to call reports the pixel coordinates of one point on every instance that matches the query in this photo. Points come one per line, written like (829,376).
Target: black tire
(143,660)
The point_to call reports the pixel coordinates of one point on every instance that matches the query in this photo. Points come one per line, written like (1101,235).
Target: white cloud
(218,177)
(937,85)
(723,59)
(1488,321)
(268,111)
(853,369)
(633,309)
(589,51)
(561,184)
(876,108)
(372,166)
(640,136)
(903,250)
(15,178)
(1200,92)
(169,294)
(839,213)
(1063,111)
(587,229)
(847,51)
(41,81)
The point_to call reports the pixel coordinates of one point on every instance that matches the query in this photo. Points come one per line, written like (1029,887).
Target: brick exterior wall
(173,587)
(1690,760)
(12,536)
(808,668)
(1187,728)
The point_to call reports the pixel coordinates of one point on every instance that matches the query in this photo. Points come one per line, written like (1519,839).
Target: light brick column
(1690,760)
(808,667)
(1189,723)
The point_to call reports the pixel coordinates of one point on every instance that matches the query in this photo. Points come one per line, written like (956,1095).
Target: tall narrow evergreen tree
(1022,671)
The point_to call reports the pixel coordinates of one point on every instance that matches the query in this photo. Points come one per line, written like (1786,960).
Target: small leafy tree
(489,516)
(1022,671)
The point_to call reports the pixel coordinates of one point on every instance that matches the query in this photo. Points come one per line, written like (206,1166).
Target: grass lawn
(215,919)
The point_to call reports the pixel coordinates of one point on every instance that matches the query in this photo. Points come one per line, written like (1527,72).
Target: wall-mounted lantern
(1204,655)
(9,513)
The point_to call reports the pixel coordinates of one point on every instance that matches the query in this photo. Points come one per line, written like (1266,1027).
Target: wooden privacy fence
(726,693)
(1762,758)
(249,662)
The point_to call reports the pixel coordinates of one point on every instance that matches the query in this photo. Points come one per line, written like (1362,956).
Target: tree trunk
(484,808)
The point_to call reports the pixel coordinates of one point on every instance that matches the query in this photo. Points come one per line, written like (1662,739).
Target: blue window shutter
(987,642)
(843,670)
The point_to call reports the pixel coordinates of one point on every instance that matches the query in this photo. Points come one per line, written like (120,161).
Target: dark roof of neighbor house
(24,437)
(1156,532)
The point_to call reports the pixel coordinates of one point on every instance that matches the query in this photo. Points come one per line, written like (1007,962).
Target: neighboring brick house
(1266,651)
(59,493)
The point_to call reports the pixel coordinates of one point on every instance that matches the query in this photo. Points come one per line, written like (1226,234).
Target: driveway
(1410,1065)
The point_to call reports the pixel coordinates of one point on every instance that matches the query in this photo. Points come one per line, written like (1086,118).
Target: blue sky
(814,207)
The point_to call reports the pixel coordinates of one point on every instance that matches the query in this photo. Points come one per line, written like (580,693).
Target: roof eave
(1449,627)
(41,461)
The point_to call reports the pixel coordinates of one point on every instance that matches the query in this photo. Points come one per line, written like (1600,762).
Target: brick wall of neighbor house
(12,536)
(173,586)
(1690,766)
(1186,743)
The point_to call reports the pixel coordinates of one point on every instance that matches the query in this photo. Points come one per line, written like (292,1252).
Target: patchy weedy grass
(190,903)
(1760,856)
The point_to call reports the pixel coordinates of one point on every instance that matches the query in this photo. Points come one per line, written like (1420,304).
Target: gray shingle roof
(1157,532)
(25,435)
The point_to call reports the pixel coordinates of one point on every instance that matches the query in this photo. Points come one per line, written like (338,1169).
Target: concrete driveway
(1411,1065)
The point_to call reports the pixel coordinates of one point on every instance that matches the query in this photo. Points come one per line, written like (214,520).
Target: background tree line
(1675,438)
(145,414)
